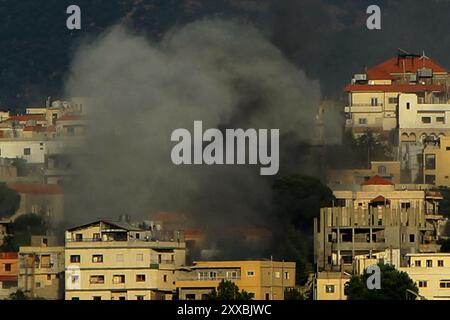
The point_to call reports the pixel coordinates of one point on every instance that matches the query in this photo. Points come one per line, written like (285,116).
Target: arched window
(382,170)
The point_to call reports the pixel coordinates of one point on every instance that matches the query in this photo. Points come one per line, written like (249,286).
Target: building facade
(265,280)
(107,260)
(9,272)
(41,272)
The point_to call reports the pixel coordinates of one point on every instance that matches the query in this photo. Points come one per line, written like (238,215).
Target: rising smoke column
(221,72)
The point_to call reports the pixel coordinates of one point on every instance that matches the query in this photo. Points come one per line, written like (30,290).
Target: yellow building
(108,260)
(437,162)
(41,273)
(330,285)
(265,280)
(431,272)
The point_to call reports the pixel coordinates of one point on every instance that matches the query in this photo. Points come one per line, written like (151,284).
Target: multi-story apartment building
(437,161)
(330,285)
(421,124)
(374,219)
(431,272)
(373,95)
(9,271)
(41,269)
(107,260)
(265,280)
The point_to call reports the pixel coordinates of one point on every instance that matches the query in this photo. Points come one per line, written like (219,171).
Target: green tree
(18,295)
(228,290)
(9,201)
(394,285)
(293,294)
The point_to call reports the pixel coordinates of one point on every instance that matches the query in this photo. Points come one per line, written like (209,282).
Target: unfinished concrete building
(341,233)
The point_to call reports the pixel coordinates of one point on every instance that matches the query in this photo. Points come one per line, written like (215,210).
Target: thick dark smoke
(221,72)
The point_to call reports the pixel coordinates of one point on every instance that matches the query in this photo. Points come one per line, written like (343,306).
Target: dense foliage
(228,290)
(394,286)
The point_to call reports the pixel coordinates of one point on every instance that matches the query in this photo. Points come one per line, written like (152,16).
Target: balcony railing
(210,279)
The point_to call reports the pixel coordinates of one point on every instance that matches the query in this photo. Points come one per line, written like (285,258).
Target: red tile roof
(400,65)
(9,255)
(9,278)
(394,88)
(377,180)
(380,198)
(27,117)
(34,188)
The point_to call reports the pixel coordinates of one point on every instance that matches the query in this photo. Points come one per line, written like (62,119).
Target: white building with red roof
(373,95)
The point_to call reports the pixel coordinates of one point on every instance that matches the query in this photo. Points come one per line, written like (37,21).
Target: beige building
(374,219)
(373,95)
(329,285)
(437,162)
(41,273)
(421,125)
(265,280)
(431,272)
(108,260)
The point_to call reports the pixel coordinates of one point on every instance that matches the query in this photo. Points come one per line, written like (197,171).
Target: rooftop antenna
(423,57)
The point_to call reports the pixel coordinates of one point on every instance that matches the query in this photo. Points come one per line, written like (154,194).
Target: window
(393,100)
(79,237)
(140,257)
(119,257)
(418,263)
(440,120)
(139,297)
(440,263)
(119,278)
(408,106)
(362,121)
(267,296)
(374,101)
(75,258)
(330,238)
(140,278)
(286,275)
(423,284)
(75,298)
(426,119)
(444,284)
(97,258)
(8,267)
(405,205)
(165,278)
(430,179)
(277,274)
(250,273)
(49,277)
(190,296)
(232,274)
(429,263)
(213,275)
(96,236)
(97,298)
(26,151)
(329,288)
(97,279)
(382,170)
(203,275)
(412,237)
(430,162)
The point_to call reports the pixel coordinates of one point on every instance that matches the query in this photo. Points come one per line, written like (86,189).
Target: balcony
(361,107)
